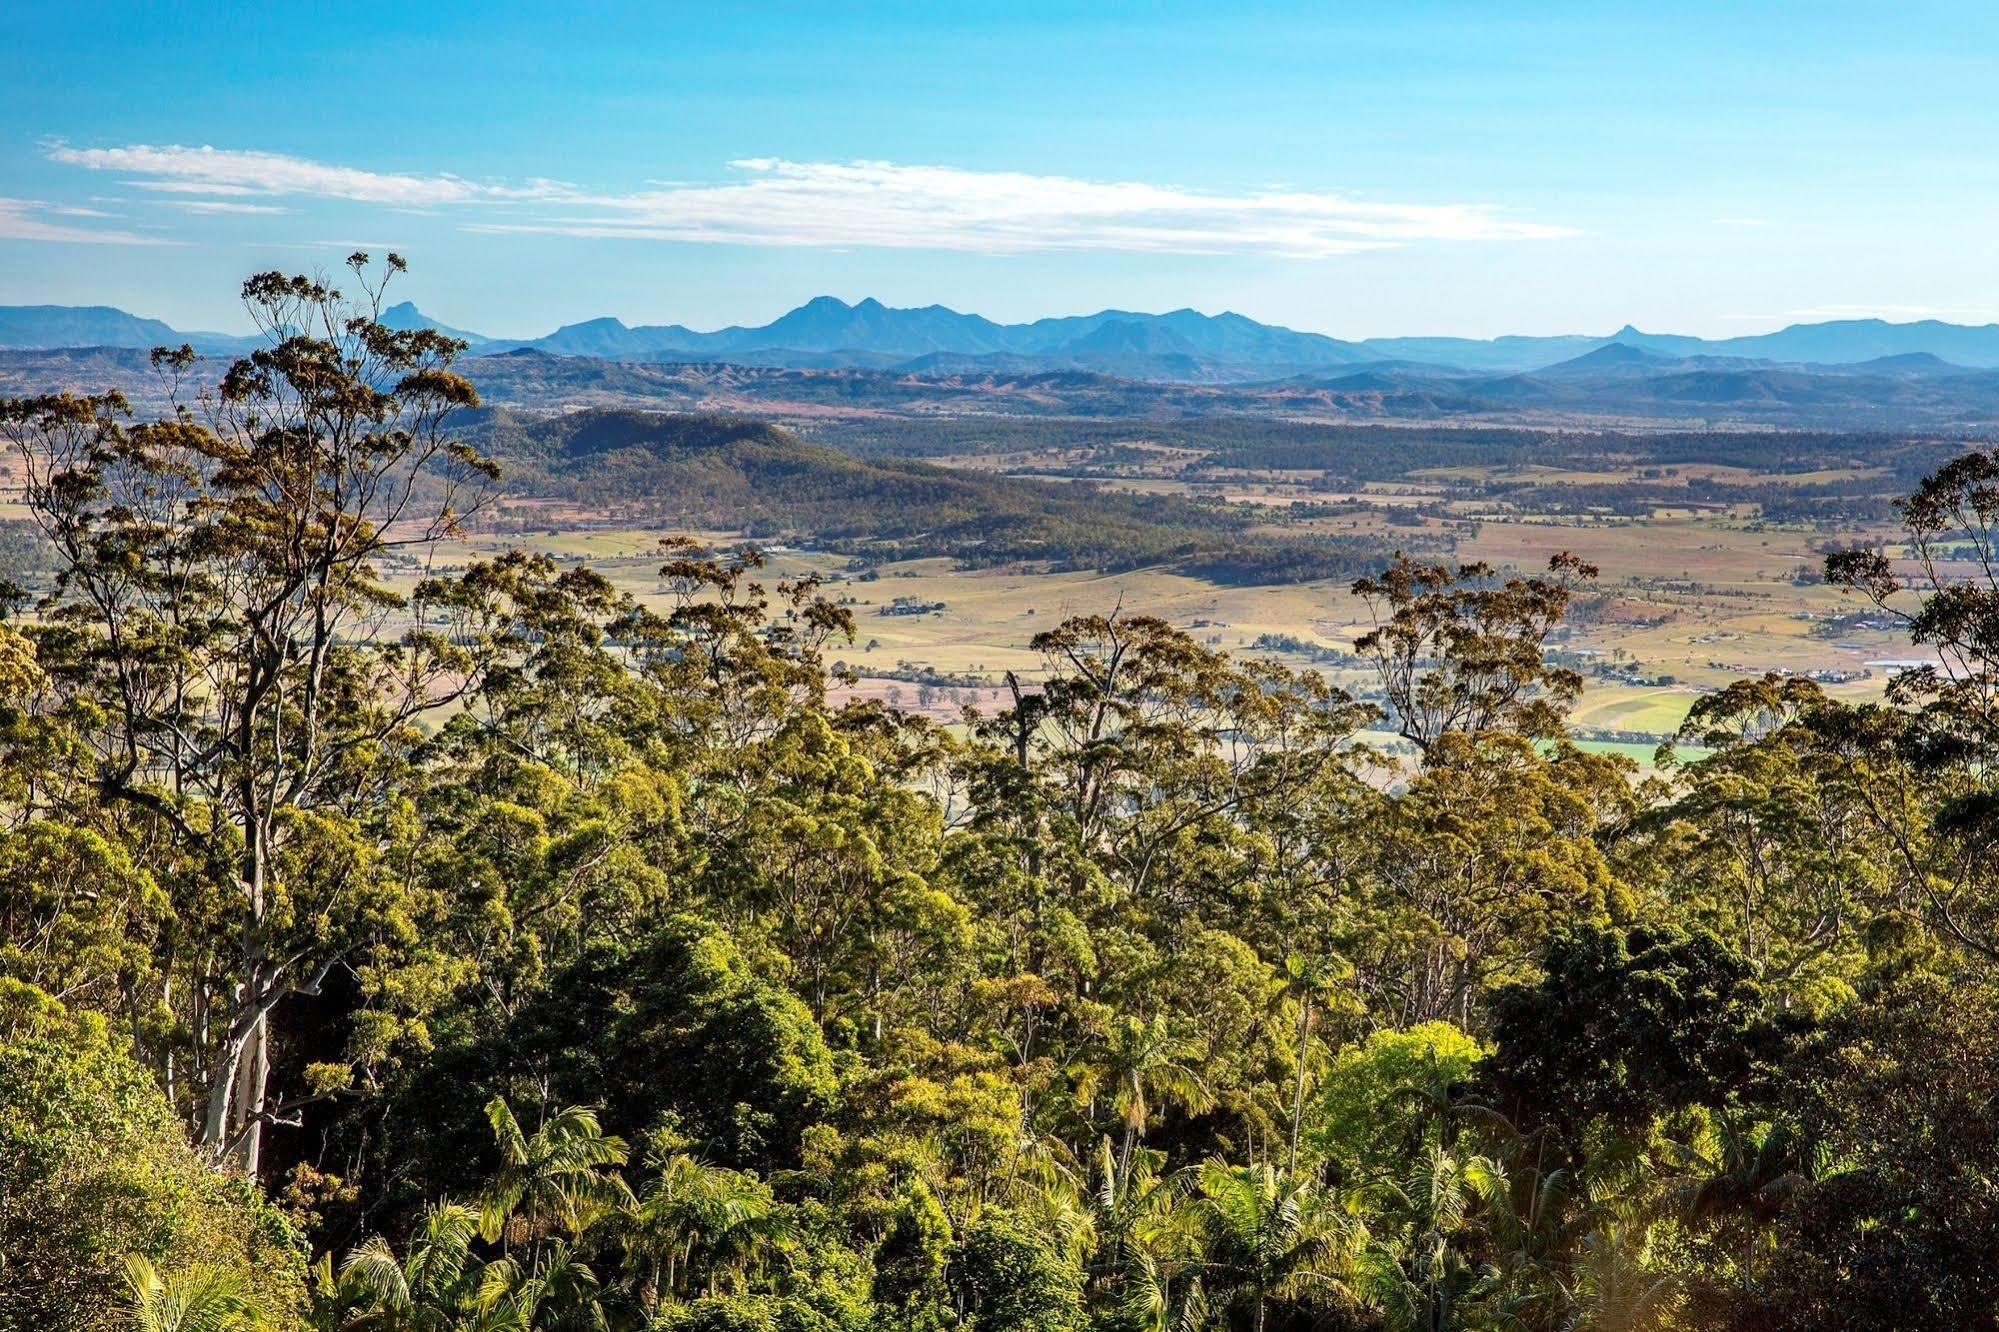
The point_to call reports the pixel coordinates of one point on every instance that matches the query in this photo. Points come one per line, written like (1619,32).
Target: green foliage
(735,1313)
(678,1026)
(1459,650)
(1631,1024)
(95,1168)
(1005,1277)
(650,986)
(1375,1091)
(1268,1237)
(911,1259)
(1899,1102)
(77,915)
(195,1300)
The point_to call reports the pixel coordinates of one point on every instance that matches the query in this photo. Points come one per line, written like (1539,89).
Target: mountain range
(1181,346)
(1612,383)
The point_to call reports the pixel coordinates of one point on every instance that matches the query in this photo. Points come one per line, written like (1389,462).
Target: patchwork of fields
(1691,595)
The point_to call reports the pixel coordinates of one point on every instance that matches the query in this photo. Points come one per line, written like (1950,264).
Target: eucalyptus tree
(1773,832)
(239,667)
(1459,650)
(1941,583)
(1930,755)
(1155,753)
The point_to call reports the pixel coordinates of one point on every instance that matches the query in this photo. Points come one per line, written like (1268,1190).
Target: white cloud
(225,206)
(29,220)
(779,202)
(196,187)
(205,170)
(774,201)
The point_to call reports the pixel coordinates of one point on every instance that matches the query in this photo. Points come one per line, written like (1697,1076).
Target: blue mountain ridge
(1180,344)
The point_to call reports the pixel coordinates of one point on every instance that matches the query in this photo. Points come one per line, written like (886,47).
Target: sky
(1357,169)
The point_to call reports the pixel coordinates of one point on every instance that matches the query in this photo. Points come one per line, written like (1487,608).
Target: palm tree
(1061,1212)
(1124,1215)
(1563,1234)
(1731,1173)
(1148,1242)
(200,1299)
(1427,1282)
(1142,1062)
(555,1173)
(1612,1290)
(695,1214)
(420,1293)
(556,1293)
(1305,981)
(1272,1236)
(1165,1293)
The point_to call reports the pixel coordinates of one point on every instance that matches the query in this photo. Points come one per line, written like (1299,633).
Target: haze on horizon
(1377,171)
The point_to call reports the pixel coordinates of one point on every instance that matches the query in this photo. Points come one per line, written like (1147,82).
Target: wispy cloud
(777,202)
(226,206)
(1742,221)
(32,220)
(174,169)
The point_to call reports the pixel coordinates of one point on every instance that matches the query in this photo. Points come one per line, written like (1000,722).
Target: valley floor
(1687,601)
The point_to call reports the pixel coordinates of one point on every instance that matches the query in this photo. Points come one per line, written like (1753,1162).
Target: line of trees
(488,950)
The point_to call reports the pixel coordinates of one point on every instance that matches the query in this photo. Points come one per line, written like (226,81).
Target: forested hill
(564,962)
(719,471)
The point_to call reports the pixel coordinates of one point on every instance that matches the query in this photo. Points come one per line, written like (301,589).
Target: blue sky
(1358,169)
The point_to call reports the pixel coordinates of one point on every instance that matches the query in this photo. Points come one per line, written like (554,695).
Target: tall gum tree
(1460,651)
(242,676)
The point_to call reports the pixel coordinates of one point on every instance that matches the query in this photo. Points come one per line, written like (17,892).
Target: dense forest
(493,952)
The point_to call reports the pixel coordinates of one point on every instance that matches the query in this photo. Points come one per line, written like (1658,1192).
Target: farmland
(1700,583)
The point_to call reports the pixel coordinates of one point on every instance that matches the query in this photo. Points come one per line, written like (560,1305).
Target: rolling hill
(705,471)
(1606,386)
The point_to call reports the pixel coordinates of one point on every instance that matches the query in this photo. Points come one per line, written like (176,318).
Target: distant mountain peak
(1611,358)
(405,315)
(1619,352)
(56,326)
(1182,344)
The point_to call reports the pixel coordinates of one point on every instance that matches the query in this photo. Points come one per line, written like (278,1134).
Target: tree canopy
(393,943)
